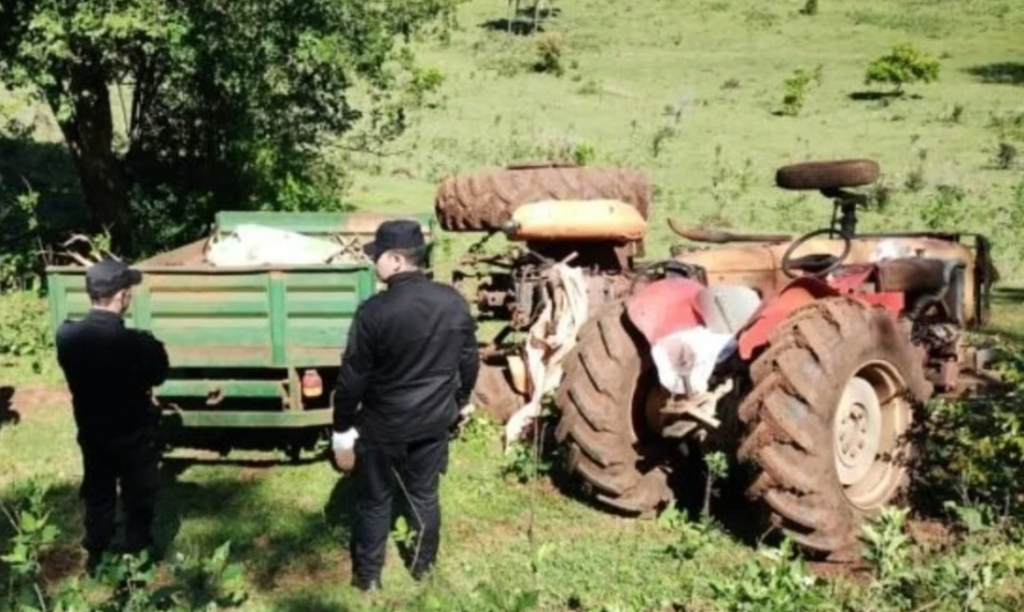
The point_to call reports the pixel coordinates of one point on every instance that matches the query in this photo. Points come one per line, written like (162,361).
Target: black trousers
(412,472)
(132,463)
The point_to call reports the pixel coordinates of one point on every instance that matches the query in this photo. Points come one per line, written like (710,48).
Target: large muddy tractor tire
(494,394)
(607,378)
(485,201)
(827,175)
(827,423)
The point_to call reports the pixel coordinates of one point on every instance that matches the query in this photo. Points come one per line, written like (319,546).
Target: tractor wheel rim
(858,425)
(869,430)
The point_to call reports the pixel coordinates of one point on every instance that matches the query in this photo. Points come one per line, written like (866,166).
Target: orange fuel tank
(610,220)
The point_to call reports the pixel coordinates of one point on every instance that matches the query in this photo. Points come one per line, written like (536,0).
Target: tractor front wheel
(827,422)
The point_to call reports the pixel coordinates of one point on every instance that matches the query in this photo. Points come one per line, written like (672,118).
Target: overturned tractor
(804,360)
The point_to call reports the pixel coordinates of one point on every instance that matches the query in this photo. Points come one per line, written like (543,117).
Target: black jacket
(411,360)
(110,371)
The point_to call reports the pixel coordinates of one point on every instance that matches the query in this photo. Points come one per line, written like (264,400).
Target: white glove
(345,440)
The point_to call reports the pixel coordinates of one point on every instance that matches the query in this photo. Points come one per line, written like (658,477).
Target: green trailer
(249,347)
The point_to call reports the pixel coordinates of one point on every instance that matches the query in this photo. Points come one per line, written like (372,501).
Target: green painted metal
(178,388)
(248,419)
(272,322)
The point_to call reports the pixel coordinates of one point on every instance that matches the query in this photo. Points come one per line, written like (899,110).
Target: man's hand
(343,445)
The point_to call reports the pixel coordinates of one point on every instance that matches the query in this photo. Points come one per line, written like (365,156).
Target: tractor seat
(827,175)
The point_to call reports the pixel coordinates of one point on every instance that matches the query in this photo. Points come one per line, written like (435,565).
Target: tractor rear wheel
(603,397)
(827,422)
(485,201)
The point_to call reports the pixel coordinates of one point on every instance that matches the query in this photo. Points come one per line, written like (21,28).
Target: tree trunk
(89,133)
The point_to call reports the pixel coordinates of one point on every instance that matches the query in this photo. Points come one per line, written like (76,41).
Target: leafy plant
(797,87)
(26,334)
(524,463)
(903,65)
(33,533)
(774,582)
(810,8)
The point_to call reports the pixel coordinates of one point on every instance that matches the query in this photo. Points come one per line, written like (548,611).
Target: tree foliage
(172,109)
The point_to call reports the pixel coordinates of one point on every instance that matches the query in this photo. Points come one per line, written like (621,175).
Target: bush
(549,55)
(904,65)
(26,334)
(1006,156)
(810,8)
(796,87)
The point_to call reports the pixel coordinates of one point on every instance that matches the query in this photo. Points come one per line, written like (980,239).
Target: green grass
(633,70)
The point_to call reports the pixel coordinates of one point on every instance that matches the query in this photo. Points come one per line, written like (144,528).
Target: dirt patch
(931,534)
(856,572)
(24,400)
(60,562)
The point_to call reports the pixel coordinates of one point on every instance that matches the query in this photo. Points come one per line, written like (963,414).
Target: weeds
(26,335)
(549,55)
(945,210)
(797,87)
(810,8)
(774,582)
(1006,156)
(121,582)
(955,114)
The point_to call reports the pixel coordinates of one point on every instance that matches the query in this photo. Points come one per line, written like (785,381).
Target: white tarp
(257,245)
(549,340)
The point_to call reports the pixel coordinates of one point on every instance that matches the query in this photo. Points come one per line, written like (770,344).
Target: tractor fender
(777,308)
(665,307)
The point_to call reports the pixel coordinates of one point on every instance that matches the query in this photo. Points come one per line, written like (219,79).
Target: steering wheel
(815,264)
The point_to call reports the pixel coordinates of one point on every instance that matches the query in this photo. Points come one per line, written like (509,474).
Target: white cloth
(257,245)
(685,360)
(550,338)
(345,440)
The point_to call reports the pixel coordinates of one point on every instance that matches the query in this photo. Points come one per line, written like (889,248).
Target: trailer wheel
(827,423)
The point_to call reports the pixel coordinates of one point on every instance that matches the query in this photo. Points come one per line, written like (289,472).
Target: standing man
(110,371)
(410,364)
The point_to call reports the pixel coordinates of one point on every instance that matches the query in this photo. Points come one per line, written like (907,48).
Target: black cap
(105,278)
(396,234)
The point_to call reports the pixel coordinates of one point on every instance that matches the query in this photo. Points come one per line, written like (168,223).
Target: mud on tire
(800,412)
(484,201)
(601,399)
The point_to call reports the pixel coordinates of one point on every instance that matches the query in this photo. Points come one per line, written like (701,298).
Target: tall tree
(225,103)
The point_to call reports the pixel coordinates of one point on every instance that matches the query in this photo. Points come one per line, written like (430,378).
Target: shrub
(26,334)
(797,86)
(810,8)
(549,55)
(904,65)
(1006,156)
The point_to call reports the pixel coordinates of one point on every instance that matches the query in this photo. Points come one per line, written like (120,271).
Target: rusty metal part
(721,236)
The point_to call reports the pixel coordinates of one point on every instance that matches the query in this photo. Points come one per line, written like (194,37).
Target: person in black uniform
(409,366)
(110,371)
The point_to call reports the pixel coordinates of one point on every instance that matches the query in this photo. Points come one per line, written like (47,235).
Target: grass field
(687,91)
